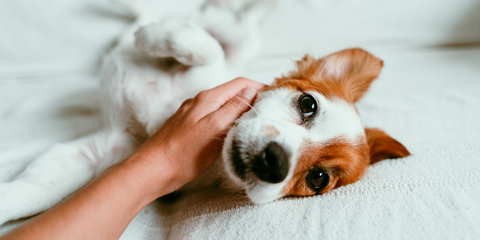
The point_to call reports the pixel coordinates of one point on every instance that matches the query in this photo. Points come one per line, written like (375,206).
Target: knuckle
(186,104)
(202,96)
(241,79)
(185,107)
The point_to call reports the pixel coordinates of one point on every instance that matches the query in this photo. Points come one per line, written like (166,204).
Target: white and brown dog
(302,137)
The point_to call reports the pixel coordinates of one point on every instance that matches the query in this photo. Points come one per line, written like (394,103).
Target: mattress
(427,97)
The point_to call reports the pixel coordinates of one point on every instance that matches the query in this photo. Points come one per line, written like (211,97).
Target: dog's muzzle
(271,165)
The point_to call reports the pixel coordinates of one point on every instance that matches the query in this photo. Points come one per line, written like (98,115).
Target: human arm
(104,208)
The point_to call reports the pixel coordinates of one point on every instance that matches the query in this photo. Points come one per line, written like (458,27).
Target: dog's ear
(350,71)
(383,146)
(355,69)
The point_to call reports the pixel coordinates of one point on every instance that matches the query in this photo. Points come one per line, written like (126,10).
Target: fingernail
(248,93)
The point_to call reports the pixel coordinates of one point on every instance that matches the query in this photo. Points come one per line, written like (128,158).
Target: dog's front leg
(188,43)
(59,172)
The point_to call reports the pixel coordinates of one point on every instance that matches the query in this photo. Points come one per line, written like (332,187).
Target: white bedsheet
(427,97)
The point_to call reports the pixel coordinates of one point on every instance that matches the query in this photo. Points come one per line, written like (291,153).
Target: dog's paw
(188,43)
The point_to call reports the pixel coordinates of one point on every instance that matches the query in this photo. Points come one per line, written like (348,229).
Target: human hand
(190,140)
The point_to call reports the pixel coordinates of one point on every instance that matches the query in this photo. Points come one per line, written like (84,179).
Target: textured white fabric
(427,97)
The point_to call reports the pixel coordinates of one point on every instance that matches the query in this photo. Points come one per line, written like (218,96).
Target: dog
(303,135)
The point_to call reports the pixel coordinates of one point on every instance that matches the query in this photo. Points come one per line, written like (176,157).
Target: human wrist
(149,174)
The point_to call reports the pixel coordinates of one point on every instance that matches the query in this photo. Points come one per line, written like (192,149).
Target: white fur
(138,97)
(186,42)
(337,118)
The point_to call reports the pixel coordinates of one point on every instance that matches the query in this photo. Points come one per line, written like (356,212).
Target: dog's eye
(308,105)
(317,180)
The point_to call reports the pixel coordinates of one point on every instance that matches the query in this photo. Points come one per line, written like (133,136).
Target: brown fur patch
(383,146)
(344,162)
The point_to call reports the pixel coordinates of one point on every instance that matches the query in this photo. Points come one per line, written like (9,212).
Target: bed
(427,97)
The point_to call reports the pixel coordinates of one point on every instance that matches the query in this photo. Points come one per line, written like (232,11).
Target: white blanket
(427,97)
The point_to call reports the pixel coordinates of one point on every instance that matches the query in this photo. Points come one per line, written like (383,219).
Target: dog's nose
(271,165)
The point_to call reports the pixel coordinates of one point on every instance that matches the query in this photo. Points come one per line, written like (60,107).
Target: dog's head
(304,135)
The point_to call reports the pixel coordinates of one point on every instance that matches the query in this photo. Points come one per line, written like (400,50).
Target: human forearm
(101,210)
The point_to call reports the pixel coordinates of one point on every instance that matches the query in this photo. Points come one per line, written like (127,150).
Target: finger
(236,85)
(219,95)
(226,115)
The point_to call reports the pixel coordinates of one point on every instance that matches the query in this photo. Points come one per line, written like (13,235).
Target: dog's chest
(154,97)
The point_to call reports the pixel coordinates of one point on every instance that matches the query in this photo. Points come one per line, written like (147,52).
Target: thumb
(233,108)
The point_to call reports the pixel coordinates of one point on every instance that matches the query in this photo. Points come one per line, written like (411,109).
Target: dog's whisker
(216,184)
(247,104)
(258,94)
(219,139)
(239,195)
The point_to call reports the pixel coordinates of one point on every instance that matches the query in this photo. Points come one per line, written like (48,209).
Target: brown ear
(383,146)
(351,70)
(354,68)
